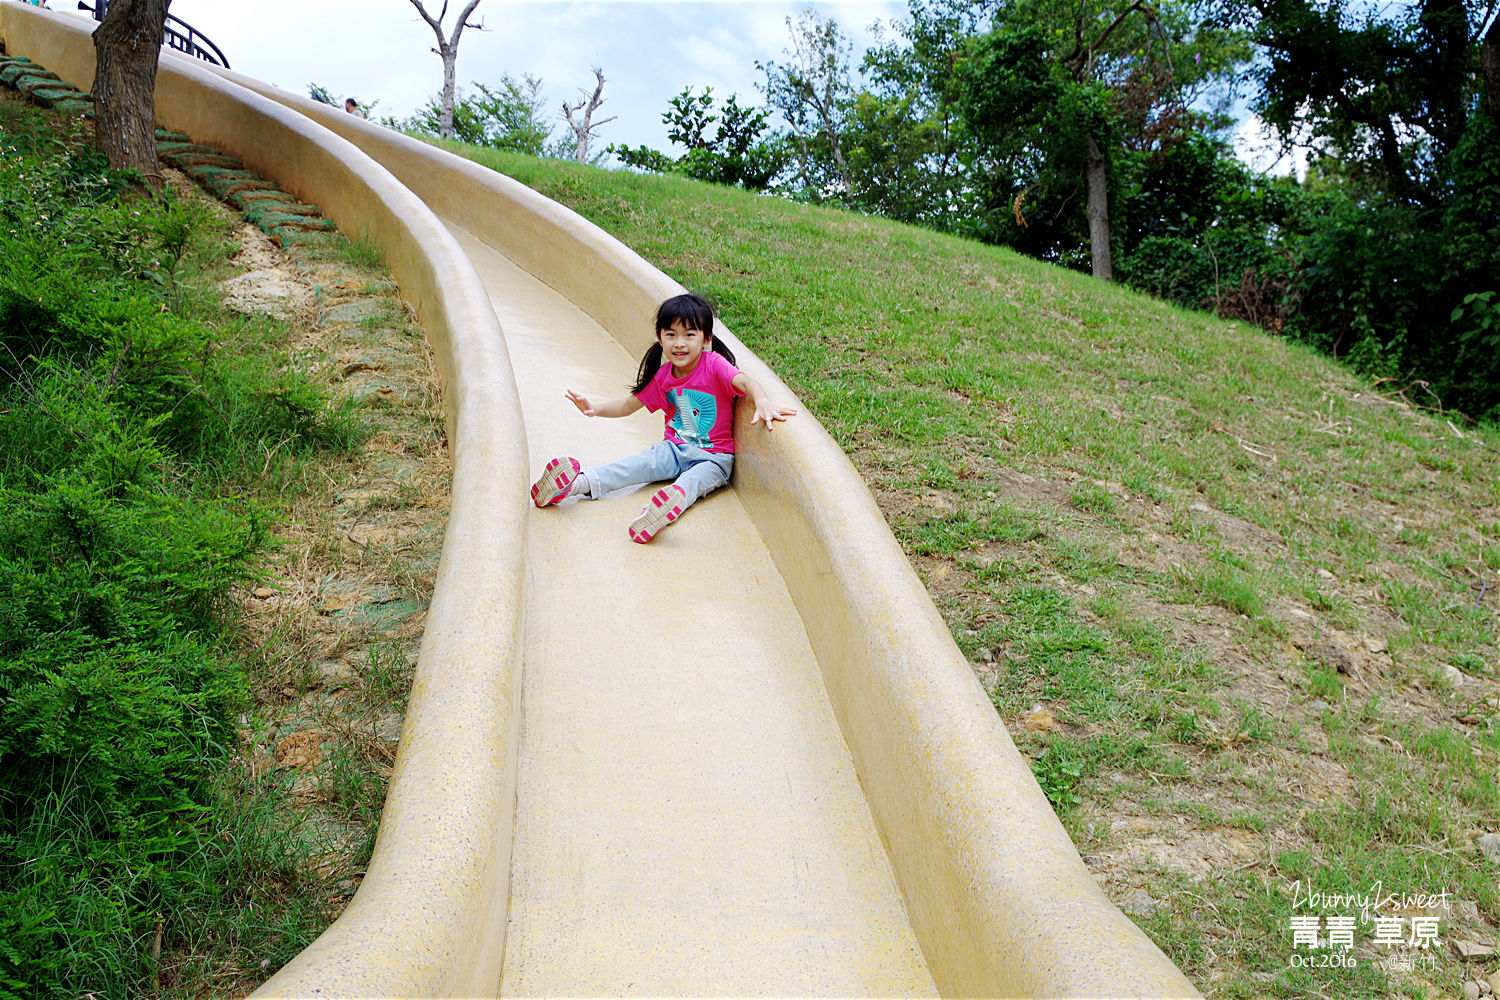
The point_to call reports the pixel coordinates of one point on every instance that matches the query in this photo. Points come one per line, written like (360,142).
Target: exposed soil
(1133,832)
(336,620)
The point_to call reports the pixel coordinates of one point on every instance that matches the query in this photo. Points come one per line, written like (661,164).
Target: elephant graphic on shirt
(694,415)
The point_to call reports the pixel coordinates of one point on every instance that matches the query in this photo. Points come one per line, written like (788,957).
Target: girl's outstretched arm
(765,412)
(622,407)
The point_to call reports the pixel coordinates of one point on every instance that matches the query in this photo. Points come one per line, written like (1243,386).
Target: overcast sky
(381,51)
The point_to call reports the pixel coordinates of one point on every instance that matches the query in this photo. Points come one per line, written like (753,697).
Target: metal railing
(179,35)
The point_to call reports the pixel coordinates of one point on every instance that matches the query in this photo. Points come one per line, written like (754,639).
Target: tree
(513,115)
(1389,92)
(905,134)
(508,118)
(127,45)
(813,93)
(1399,106)
(739,152)
(583,129)
(1093,91)
(447,50)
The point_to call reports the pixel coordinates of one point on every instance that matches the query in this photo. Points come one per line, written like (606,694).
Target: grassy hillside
(1238,607)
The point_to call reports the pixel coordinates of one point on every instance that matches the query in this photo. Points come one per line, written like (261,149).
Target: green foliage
(1058,769)
(1394,270)
(905,137)
(995,107)
(737,153)
(1029,124)
(1482,330)
(125,432)
(896,160)
(508,118)
(173,222)
(976,119)
(1388,92)
(812,92)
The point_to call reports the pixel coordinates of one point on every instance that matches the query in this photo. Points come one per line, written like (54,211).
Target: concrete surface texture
(743,760)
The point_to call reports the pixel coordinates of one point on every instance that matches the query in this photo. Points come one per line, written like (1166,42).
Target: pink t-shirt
(699,408)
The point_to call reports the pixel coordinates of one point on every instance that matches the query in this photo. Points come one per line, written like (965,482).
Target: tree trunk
(838,161)
(447,50)
(803,157)
(445,106)
(1489,61)
(127,46)
(1097,178)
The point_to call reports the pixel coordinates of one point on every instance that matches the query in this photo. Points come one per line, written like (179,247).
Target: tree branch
(437,25)
(463,21)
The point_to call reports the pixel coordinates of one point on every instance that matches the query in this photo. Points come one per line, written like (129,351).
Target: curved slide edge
(429,918)
(1001,903)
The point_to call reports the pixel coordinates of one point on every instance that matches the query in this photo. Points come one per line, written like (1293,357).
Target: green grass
(1148,516)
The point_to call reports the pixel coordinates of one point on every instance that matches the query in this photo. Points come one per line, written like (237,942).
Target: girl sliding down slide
(691,379)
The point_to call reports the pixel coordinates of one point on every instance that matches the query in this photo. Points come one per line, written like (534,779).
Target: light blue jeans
(698,472)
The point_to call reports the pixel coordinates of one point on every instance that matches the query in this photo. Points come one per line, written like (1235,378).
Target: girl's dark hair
(694,313)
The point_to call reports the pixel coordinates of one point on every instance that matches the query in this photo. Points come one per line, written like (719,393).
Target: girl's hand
(622,407)
(765,414)
(584,406)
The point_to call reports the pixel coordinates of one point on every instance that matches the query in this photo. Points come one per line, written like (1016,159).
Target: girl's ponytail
(650,363)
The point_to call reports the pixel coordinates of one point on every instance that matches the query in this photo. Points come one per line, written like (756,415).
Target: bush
(126,439)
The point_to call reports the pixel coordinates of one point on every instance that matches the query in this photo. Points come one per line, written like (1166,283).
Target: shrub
(126,438)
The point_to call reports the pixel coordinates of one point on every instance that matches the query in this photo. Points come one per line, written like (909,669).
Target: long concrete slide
(744,760)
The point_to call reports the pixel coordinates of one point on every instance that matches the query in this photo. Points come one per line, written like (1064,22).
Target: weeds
(1057,770)
(363,252)
(174,221)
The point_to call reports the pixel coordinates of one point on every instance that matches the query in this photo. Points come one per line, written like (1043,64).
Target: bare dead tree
(447,50)
(127,46)
(584,129)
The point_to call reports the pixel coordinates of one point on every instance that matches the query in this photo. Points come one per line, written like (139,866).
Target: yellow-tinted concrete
(688,821)
(688,818)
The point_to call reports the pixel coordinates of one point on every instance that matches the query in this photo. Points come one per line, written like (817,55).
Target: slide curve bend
(746,760)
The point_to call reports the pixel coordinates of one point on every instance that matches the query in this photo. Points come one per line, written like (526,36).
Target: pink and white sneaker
(666,505)
(555,481)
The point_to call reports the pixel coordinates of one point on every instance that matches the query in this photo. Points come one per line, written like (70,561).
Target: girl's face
(681,348)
